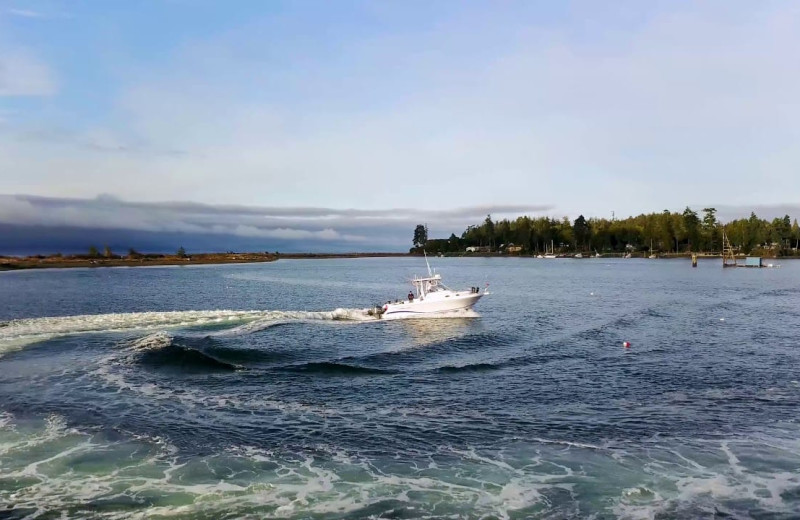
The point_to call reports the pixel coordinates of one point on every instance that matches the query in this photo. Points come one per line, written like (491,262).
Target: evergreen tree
(691,227)
(580,230)
(453,243)
(420,235)
(710,231)
(488,230)
(786,231)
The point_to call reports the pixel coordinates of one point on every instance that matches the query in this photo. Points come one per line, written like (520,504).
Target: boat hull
(431,307)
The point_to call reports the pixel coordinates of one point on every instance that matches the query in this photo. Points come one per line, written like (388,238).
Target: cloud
(632,107)
(727,213)
(101,141)
(22,74)
(598,120)
(25,13)
(327,234)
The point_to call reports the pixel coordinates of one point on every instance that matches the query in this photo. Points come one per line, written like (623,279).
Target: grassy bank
(9,263)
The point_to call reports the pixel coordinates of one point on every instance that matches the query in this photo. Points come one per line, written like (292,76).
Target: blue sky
(552,107)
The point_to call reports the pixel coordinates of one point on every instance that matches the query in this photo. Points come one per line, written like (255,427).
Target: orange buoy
(626,344)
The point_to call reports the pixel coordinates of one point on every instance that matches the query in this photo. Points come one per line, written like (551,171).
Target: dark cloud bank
(46,225)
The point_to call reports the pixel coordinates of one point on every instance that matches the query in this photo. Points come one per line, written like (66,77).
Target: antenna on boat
(430,274)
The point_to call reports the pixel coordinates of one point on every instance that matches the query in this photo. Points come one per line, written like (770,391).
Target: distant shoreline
(10,263)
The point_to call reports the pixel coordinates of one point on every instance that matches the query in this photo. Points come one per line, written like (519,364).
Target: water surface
(264,390)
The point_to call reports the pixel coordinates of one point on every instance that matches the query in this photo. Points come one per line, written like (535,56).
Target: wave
(155,341)
(160,350)
(434,346)
(29,330)
(333,368)
(185,358)
(476,367)
(276,318)
(240,354)
(206,345)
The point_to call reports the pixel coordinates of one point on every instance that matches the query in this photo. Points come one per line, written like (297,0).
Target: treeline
(94,253)
(666,232)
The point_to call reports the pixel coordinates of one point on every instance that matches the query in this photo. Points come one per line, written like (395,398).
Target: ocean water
(266,391)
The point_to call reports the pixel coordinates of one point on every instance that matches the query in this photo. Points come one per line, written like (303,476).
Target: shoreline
(10,263)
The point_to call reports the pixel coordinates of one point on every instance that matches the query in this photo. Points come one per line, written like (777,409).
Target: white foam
(15,334)
(638,503)
(43,460)
(154,341)
(54,428)
(329,480)
(275,318)
(114,371)
(62,325)
(5,420)
(685,486)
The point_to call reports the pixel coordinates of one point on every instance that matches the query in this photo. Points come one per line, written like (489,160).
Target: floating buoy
(626,344)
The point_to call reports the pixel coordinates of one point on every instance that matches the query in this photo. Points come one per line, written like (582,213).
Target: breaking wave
(160,350)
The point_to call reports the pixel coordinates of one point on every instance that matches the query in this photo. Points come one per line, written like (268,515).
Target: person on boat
(410,296)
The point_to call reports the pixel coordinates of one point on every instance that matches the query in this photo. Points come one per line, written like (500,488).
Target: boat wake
(15,334)
(160,351)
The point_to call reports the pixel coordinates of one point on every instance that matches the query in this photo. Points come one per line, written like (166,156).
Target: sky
(339,124)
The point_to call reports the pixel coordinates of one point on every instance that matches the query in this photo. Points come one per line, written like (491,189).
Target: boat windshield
(429,285)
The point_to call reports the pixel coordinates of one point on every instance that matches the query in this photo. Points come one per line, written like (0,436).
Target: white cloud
(23,74)
(295,234)
(25,13)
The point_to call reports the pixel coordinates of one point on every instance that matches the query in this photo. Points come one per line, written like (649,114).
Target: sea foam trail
(16,333)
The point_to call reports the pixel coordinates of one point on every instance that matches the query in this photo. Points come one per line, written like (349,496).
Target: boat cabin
(427,285)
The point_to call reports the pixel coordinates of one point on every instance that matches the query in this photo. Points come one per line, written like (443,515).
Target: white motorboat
(430,297)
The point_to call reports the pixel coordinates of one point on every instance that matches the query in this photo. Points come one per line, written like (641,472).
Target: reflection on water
(429,331)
